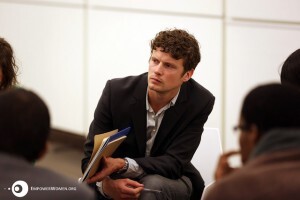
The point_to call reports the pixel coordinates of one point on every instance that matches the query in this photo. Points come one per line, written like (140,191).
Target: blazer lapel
(171,118)
(139,115)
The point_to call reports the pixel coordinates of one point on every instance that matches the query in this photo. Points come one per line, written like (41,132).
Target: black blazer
(123,104)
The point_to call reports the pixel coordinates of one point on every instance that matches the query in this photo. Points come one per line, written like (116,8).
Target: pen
(151,190)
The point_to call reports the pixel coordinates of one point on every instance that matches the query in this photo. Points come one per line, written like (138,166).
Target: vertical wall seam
(223,81)
(85,67)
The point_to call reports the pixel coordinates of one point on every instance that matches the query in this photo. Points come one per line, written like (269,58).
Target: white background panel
(255,55)
(80,2)
(119,46)
(68,49)
(47,2)
(279,10)
(48,42)
(208,7)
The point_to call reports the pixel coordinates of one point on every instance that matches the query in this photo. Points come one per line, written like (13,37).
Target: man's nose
(158,68)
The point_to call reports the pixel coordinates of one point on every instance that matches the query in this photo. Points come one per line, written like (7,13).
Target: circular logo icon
(19,188)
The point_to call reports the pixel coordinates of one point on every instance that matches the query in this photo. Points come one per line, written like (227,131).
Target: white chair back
(207,155)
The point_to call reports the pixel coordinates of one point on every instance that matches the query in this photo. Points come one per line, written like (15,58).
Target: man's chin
(154,88)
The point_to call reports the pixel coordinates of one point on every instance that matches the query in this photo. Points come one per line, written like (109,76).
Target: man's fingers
(230,153)
(97,177)
(133,184)
(224,157)
(223,167)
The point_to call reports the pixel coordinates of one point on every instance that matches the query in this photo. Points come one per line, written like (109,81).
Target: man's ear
(188,75)
(44,151)
(254,134)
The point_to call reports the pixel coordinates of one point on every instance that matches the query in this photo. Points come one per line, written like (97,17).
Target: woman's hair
(180,44)
(290,71)
(272,106)
(7,65)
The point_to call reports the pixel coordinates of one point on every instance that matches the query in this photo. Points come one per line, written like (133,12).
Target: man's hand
(109,165)
(223,167)
(122,188)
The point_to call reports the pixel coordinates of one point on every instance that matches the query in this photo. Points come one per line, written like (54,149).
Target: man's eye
(168,65)
(155,61)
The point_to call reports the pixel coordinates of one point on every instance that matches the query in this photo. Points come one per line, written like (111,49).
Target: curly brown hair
(8,65)
(180,44)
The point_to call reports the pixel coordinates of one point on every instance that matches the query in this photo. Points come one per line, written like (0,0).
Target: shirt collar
(171,103)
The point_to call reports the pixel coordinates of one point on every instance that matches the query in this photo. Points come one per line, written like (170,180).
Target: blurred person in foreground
(290,70)
(24,130)
(269,140)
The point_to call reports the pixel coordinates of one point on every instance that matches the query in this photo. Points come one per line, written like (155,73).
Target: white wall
(48,42)
(68,49)
(123,49)
(260,35)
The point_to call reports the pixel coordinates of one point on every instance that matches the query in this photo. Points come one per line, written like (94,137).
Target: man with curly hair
(166,110)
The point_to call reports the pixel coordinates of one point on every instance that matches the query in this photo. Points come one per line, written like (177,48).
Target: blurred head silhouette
(267,107)
(290,71)
(24,123)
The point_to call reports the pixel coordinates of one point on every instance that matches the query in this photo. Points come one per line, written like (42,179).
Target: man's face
(165,73)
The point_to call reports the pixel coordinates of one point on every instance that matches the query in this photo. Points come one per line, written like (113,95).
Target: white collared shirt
(153,123)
